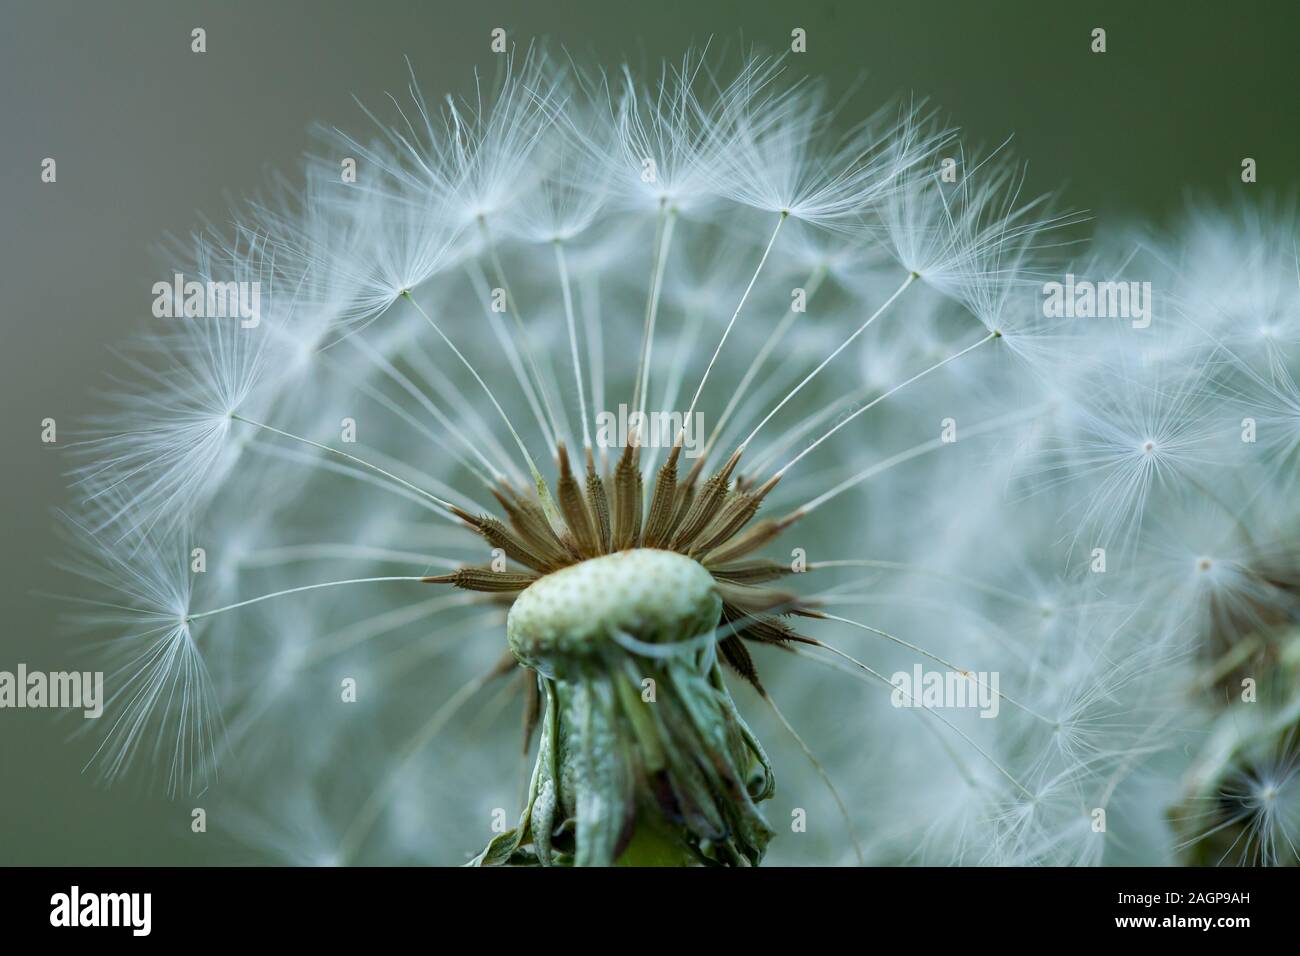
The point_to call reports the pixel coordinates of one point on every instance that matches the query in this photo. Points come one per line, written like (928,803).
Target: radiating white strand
(735,315)
(510,349)
(543,491)
(297,590)
(826,361)
(352,458)
(664,238)
(874,402)
(562,264)
(810,286)
(916,451)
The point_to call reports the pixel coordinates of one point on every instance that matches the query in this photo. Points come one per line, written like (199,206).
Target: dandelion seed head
(899,461)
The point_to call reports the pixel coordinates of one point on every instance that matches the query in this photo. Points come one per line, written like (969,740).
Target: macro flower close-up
(699,450)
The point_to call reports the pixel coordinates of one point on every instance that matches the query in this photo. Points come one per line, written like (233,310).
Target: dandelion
(846,436)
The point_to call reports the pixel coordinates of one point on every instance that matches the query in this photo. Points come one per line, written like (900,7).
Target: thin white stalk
(405,383)
(662,246)
(958,761)
(792,434)
(353,458)
(811,285)
(876,401)
(821,772)
(262,698)
(348,470)
(561,262)
(841,594)
(915,452)
(543,492)
(327,550)
(452,394)
(297,590)
(595,349)
(930,710)
(673,383)
(736,315)
(919,569)
(510,349)
(355,835)
(529,352)
(371,627)
(965,672)
(403,415)
(911,277)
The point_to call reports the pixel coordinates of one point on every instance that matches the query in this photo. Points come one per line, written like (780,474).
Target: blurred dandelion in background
(721,446)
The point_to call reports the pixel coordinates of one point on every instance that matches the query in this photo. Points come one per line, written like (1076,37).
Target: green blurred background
(149,136)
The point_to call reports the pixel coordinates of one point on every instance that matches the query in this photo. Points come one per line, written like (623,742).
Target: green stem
(655,842)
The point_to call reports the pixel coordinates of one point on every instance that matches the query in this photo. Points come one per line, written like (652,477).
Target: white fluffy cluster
(1103,515)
